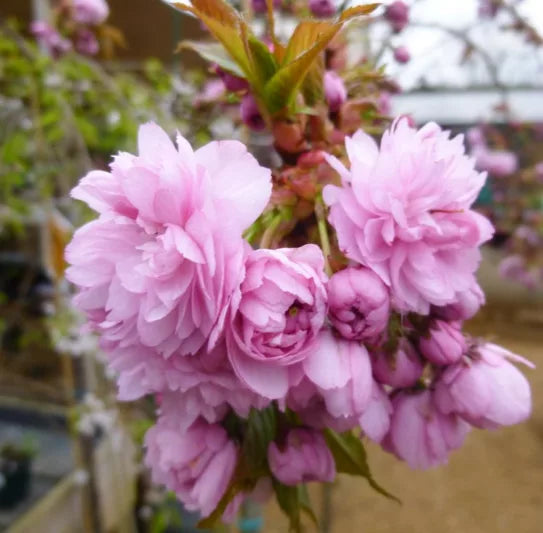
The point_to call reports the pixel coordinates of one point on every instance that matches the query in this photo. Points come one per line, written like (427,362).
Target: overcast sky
(435,55)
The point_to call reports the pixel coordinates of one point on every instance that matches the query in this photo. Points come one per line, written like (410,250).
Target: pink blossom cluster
(189,313)
(75,28)
(498,163)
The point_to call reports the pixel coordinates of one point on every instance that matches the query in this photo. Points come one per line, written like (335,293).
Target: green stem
(269,233)
(320,213)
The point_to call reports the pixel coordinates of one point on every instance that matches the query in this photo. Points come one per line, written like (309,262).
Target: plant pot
(15,476)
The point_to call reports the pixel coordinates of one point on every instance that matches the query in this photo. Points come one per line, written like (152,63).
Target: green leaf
(293,500)
(263,61)
(309,39)
(214,53)
(261,430)
(312,87)
(351,458)
(281,89)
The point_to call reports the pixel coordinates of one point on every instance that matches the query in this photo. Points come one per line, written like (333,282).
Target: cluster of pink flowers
(498,163)
(188,312)
(76,21)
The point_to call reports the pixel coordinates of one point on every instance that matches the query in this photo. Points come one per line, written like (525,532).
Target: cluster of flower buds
(261,359)
(74,27)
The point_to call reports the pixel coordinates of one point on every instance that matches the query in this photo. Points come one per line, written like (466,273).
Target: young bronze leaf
(357,10)
(306,34)
(309,39)
(281,89)
(218,10)
(224,23)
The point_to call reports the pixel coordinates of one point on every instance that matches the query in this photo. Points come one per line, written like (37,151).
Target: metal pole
(326,508)
(40,9)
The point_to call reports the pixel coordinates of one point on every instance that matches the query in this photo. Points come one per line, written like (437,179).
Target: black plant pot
(15,474)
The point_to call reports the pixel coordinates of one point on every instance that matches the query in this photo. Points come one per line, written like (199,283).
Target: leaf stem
(322,226)
(269,233)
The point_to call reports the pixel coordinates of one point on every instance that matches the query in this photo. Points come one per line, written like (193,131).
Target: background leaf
(214,53)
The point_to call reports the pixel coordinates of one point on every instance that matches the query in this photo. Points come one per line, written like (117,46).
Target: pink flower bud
(334,90)
(445,345)
(322,8)
(539,172)
(212,91)
(384,104)
(485,389)
(488,8)
(231,82)
(86,43)
(397,15)
(401,54)
(250,114)
(402,369)
(420,434)
(358,303)
(259,6)
(304,457)
(311,159)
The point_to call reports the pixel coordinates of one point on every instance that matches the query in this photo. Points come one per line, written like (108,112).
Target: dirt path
(494,484)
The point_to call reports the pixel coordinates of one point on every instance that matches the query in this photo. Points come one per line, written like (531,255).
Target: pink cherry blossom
(485,388)
(358,302)
(281,311)
(497,163)
(50,39)
(421,434)
(375,419)
(466,305)
(303,457)
(338,385)
(158,269)
(197,465)
(404,211)
(90,11)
